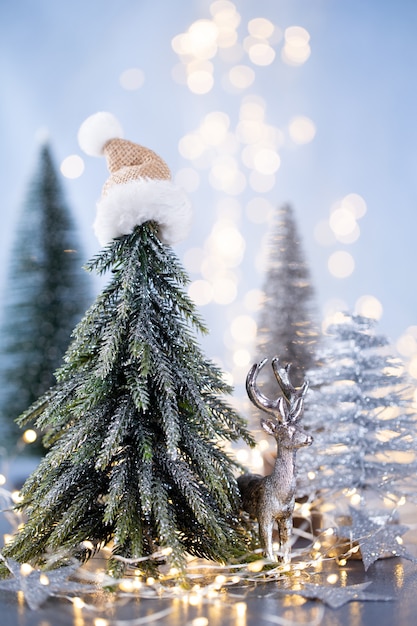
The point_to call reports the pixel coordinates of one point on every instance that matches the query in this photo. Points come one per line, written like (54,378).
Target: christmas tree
(361,416)
(136,422)
(45,296)
(286,325)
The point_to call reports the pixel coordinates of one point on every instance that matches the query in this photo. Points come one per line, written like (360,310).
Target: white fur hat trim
(125,206)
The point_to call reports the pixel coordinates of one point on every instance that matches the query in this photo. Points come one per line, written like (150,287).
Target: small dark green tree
(45,296)
(287,325)
(136,424)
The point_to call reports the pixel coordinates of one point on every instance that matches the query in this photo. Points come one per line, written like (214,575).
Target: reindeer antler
(282,374)
(293,396)
(286,408)
(255,395)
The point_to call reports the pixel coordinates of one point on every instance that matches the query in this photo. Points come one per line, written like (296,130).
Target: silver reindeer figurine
(271,498)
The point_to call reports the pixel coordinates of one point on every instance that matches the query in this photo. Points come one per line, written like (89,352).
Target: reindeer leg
(265,535)
(285,532)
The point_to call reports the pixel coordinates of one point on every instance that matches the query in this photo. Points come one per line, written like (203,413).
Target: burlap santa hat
(139,188)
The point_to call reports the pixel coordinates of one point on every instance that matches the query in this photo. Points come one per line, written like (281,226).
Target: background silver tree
(287,321)
(362,417)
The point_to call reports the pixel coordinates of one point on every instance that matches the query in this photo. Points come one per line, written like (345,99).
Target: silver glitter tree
(360,413)
(287,324)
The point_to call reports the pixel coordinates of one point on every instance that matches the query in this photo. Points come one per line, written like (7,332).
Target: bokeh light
(334,317)
(243,329)
(213,129)
(341,264)
(355,203)
(342,222)
(252,108)
(242,357)
(244,156)
(296,49)
(369,306)
(257,44)
(254,299)
(407,342)
(200,81)
(72,166)
(227,20)
(301,129)
(266,161)
(29,436)
(201,292)
(352,203)
(342,227)
(204,39)
(227,242)
(191,146)
(261,27)
(261,53)
(333,312)
(225,175)
(349,237)
(200,41)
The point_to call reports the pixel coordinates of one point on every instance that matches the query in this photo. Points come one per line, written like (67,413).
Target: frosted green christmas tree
(136,422)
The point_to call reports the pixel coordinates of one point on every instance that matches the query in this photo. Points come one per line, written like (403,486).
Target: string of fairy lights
(322,560)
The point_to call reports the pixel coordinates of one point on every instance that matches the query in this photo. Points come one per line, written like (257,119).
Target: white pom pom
(96,131)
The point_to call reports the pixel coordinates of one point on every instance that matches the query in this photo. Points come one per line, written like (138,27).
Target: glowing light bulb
(78,603)
(194,599)
(26,569)
(240,608)
(29,436)
(355,499)
(200,621)
(332,579)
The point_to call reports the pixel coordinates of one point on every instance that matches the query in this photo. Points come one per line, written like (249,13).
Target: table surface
(243,604)
(265,605)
